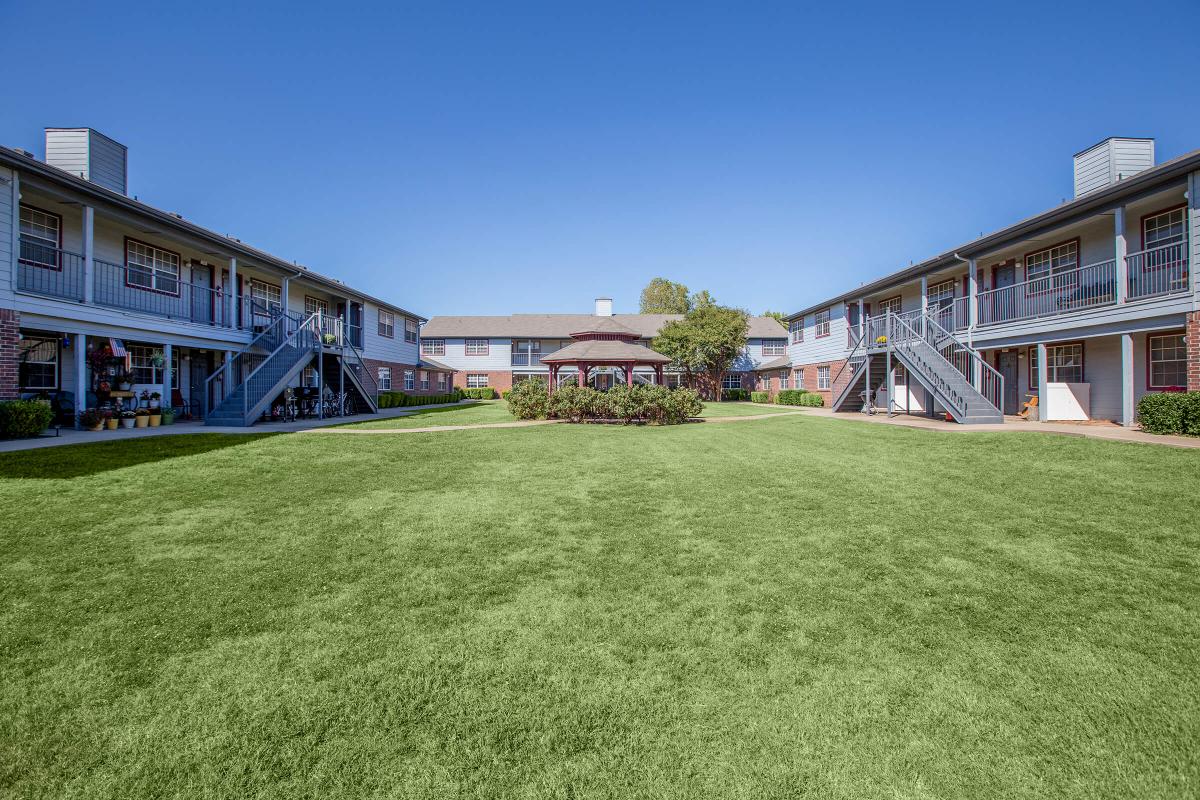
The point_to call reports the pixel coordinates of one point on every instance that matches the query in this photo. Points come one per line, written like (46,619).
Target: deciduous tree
(704,345)
(662,296)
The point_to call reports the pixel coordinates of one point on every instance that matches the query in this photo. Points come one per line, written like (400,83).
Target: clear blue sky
(503,157)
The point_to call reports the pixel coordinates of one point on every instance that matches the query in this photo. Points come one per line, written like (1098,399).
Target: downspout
(974,281)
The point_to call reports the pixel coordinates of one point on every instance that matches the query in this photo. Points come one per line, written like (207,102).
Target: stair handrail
(311,327)
(364,376)
(851,359)
(905,338)
(280,318)
(991,382)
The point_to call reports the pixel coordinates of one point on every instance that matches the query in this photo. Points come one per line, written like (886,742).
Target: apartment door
(198,372)
(202,294)
(1006,365)
(1004,274)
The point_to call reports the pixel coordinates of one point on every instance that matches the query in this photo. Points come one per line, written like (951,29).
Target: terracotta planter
(155,420)
(112,424)
(95,428)
(141,422)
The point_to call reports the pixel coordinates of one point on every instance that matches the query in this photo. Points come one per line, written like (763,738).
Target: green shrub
(23,418)
(760,397)
(655,405)
(811,399)
(790,397)
(1170,412)
(735,394)
(402,400)
(528,400)
(484,393)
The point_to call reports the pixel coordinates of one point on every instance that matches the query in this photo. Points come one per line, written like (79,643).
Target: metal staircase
(248,383)
(959,379)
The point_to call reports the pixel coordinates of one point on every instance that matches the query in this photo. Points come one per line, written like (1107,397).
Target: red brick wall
(398,368)
(1193,351)
(500,380)
(10,337)
(810,377)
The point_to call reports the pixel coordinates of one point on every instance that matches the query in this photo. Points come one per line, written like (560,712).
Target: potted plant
(91,419)
(155,399)
(110,421)
(124,381)
(155,417)
(142,417)
(329,338)
(168,416)
(127,418)
(158,359)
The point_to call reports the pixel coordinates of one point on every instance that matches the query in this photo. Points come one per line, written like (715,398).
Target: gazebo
(605,343)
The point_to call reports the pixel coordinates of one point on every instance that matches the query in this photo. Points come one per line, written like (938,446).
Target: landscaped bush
(735,394)
(656,405)
(23,418)
(1170,412)
(760,397)
(484,393)
(528,400)
(790,397)
(402,400)
(811,399)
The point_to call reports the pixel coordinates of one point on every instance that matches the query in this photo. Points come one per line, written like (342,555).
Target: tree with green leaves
(704,345)
(702,299)
(777,316)
(662,296)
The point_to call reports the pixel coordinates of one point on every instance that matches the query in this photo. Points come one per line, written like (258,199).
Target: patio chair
(1030,406)
(184,408)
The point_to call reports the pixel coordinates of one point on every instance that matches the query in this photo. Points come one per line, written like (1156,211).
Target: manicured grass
(477,413)
(738,409)
(791,607)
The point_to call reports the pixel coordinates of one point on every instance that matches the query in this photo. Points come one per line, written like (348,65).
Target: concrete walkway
(71,436)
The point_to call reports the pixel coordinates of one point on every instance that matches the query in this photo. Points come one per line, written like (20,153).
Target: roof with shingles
(606,350)
(561,326)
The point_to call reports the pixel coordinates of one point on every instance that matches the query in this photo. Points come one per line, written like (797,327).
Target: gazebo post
(629,373)
(582,375)
(553,379)
(658,374)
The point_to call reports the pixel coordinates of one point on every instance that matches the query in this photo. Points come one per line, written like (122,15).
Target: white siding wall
(381,347)
(68,150)
(8,226)
(828,348)
(499,357)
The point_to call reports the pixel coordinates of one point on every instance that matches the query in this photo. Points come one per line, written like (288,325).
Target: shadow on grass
(80,460)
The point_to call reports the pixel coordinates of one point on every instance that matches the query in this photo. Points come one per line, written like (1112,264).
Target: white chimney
(1111,160)
(603,306)
(90,155)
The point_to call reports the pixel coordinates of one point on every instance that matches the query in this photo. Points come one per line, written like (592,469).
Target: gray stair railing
(353,360)
(305,338)
(846,376)
(231,374)
(930,347)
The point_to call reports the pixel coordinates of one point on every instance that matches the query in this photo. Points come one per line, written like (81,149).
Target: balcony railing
(49,271)
(1159,271)
(159,293)
(952,315)
(1051,295)
(526,359)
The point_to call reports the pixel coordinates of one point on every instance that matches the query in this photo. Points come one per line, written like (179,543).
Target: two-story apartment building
(499,351)
(91,277)
(1078,311)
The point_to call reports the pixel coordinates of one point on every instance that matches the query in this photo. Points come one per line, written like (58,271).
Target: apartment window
(899,375)
(1052,261)
(409,381)
(410,330)
(385,378)
(441,381)
(308,378)
(477,381)
(1168,361)
(1064,364)
(141,360)
(783,379)
(1164,228)
(424,376)
(41,236)
(39,363)
(774,347)
(314,304)
(265,297)
(732,380)
(150,267)
(799,379)
(387,324)
(821,323)
(892,304)
(822,377)
(796,329)
(476,347)
(941,294)
(433,347)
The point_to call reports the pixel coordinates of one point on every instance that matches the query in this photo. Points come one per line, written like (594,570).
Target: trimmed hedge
(760,397)
(402,400)
(528,399)
(735,394)
(484,393)
(790,397)
(1170,412)
(645,403)
(812,400)
(20,419)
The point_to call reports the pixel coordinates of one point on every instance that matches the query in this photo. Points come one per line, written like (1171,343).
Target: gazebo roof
(607,351)
(606,325)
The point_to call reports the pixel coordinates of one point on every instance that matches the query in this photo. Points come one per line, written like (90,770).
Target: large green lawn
(791,607)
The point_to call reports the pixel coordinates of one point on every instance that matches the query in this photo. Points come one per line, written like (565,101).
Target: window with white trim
(410,330)
(265,299)
(1168,361)
(433,347)
(477,381)
(38,366)
(385,378)
(314,304)
(783,379)
(774,347)
(387,324)
(892,304)
(150,267)
(800,378)
(141,361)
(441,381)
(1052,261)
(1163,229)
(822,377)
(424,378)
(732,380)
(409,383)
(476,347)
(941,295)
(1064,364)
(796,328)
(821,323)
(308,378)
(41,233)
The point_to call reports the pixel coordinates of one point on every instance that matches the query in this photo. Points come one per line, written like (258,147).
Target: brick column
(10,349)
(1192,339)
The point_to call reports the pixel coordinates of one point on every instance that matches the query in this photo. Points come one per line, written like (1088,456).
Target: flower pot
(124,387)
(112,424)
(155,420)
(95,428)
(168,420)
(142,422)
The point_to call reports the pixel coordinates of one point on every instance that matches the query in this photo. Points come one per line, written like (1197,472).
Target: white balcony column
(924,301)
(1042,379)
(89,245)
(972,319)
(1193,225)
(165,401)
(81,381)
(862,319)
(284,286)
(231,301)
(1120,248)
(1127,380)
